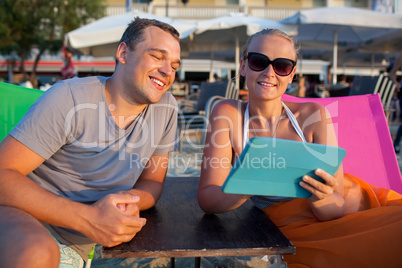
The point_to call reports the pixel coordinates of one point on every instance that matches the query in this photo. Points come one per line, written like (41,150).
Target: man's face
(150,69)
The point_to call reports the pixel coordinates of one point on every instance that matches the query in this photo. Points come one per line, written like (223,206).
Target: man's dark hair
(134,32)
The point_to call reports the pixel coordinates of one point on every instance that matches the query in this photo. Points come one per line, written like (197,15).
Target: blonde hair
(273,32)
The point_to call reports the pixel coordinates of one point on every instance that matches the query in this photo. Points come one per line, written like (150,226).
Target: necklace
(276,128)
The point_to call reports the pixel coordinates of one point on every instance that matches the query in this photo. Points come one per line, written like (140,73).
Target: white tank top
(264,201)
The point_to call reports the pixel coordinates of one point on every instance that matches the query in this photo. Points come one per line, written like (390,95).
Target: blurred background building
(199,66)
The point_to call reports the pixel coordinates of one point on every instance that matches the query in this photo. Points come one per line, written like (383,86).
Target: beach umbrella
(389,42)
(348,26)
(100,38)
(230,33)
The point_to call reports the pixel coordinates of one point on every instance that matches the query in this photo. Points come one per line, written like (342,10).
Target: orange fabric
(371,236)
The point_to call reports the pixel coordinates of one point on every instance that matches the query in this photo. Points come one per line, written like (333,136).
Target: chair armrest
(187,106)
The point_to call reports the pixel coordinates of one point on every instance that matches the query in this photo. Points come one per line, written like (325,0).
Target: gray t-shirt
(87,155)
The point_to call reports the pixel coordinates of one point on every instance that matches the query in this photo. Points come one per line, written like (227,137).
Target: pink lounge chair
(362,130)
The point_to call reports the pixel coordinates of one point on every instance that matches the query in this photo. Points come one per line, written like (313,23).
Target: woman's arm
(217,160)
(327,200)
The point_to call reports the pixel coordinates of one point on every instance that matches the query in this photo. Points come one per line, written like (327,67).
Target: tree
(41,24)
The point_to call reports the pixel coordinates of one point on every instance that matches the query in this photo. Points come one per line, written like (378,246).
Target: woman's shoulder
(311,115)
(229,106)
(228,113)
(314,119)
(305,108)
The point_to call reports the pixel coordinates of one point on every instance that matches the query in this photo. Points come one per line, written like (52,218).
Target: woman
(332,228)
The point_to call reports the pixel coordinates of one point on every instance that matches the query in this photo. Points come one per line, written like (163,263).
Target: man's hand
(114,219)
(131,209)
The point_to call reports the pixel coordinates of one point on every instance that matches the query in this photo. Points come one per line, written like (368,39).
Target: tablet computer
(274,167)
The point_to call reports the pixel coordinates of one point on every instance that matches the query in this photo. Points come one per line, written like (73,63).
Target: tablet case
(274,167)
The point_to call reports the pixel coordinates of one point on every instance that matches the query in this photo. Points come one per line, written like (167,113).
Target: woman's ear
(121,52)
(242,67)
(292,75)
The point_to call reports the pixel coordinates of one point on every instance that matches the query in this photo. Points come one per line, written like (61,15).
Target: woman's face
(267,84)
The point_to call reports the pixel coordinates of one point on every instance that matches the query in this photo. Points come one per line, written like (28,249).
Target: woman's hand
(320,190)
(325,200)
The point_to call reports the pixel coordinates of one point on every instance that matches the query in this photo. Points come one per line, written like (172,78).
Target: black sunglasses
(259,62)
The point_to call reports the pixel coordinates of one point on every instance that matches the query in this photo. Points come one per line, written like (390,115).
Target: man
(68,70)
(393,72)
(394,77)
(90,154)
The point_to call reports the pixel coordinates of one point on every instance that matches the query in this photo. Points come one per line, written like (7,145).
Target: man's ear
(121,52)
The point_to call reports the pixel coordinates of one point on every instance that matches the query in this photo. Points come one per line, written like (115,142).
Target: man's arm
(150,184)
(102,222)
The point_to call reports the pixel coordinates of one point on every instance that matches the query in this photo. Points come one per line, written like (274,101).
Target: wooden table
(177,227)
